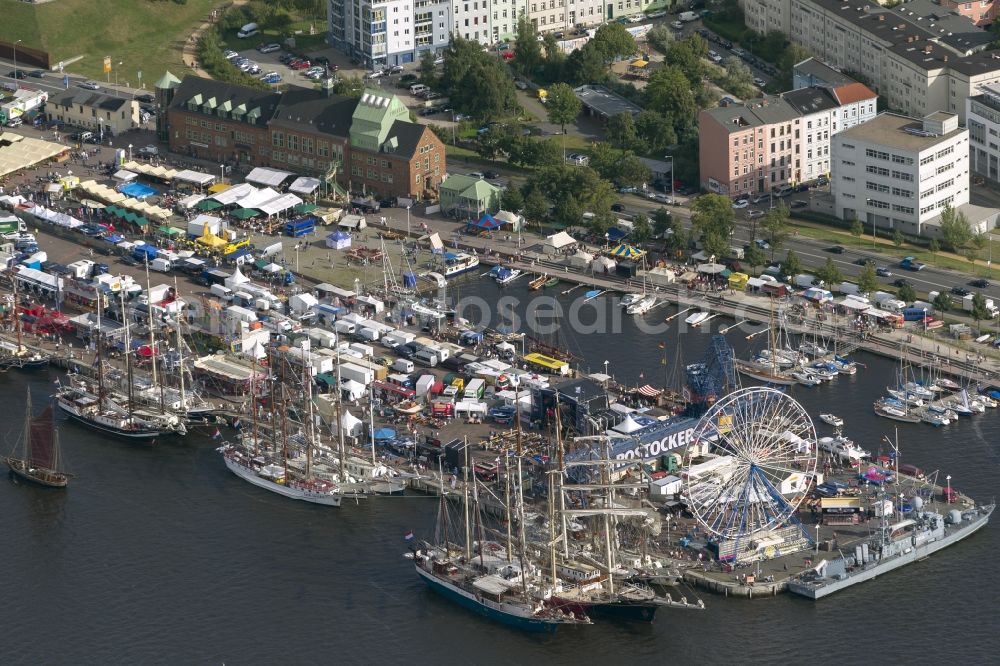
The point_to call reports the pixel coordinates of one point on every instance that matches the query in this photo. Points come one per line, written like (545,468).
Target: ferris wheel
(765,444)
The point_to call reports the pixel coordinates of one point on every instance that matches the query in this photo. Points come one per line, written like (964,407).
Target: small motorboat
(959,408)
(832,419)
(943,411)
(935,419)
(629,299)
(642,306)
(538,282)
(908,398)
(918,390)
(843,447)
(696,319)
(947,384)
(806,379)
(823,373)
(987,401)
(551,282)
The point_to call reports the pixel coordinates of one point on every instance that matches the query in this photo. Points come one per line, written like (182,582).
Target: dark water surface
(160,555)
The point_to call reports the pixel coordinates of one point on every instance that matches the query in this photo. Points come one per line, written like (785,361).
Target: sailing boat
(20,356)
(106,412)
(594,589)
(766,368)
(493,586)
(37,459)
(271,472)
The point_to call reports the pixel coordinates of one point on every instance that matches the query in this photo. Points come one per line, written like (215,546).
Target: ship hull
(47,478)
(818,591)
(468,600)
(280,489)
(133,435)
(638,611)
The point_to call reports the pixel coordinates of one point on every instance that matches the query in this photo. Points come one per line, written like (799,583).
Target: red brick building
(369,143)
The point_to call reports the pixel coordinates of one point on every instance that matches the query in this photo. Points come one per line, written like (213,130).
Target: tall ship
(269,463)
(18,355)
(893,546)
(37,458)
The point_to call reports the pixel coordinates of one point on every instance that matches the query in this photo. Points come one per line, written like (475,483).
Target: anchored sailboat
(37,457)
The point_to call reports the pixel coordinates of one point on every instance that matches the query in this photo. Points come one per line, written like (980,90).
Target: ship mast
(253,407)
(152,334)
(520,504)
(561,461)
(465,501)
(97,348)
(307,390)
(128,352)
(27,430)
(17,317)
(180,355)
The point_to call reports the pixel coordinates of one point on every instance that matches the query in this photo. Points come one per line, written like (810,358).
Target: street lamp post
(671,158)
(15,60)
(222,173)
(947,498)
(130,152)
(408,222)
(606,363)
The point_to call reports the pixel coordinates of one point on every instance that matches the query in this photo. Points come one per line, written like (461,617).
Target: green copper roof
(168,80)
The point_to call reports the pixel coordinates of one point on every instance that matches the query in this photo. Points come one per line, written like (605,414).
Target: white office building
(380,33)
(982,114)
(900,173)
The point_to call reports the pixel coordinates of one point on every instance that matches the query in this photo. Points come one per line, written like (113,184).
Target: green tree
(427,70)
(979,242)
(713,213)
(568,211)
(897,238)
(493,142)
(941,302)
(614,42)
(655,131)
(934,246)
(774,227)
(979,310)
(660,37)
(604,159)
(631,171)
(527,48)
(662,220)
(620,131)
(739,78)
(857,229)
(586,66)
(543,153)
(562,105)
(754,257)
(867,280)
(830,274)
(715,244)
(907,293)
(487,92)
(511,199)
(536,208)
(459,57)
(791,266)
(349,86)
(642,230)
(670,93)
(955,230)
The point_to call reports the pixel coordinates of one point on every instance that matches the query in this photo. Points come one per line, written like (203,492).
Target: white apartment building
(897,172)
(381,33)
(982,117)
(920,57)
(825,111)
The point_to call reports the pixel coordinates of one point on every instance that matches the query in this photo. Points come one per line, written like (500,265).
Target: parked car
(396,69)
(520,85)
(660,198)
(145,98)
(754,214)
(270,47)
(149,151)
(799,203)
(759,82)
(89,85)
(762,244)
(489,173)
(617,207)
(740,203)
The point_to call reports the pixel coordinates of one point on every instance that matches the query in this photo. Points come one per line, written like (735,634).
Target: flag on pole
(217,434)
(237,424)
(56,382)
(408,536)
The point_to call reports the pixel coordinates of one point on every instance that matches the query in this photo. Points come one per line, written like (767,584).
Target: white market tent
(102,192)
(233,194)
(560,241)
(853,304)
(711,269)
(125,176)
(194,177)
(628,425)
(255,198)
(190,201)
(278,204)
(268,177)
(151,170)
(304,185)
(236,279)
(581,259)
(55,217)
(21,152)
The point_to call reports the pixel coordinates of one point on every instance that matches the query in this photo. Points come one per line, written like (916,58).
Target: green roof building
(467,197)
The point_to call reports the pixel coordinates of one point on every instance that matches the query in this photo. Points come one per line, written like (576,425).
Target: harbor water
(160,555)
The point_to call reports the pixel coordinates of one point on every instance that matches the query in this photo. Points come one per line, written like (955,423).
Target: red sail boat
(37,457)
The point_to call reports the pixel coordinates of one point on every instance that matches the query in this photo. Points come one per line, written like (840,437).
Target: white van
(249,30)
(426,357)
(403,365)
(418,89)
(222,292)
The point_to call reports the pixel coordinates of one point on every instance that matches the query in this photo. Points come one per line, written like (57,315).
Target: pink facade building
(980,12)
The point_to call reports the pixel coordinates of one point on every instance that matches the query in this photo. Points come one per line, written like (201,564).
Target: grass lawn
(143,35)
(304,42)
